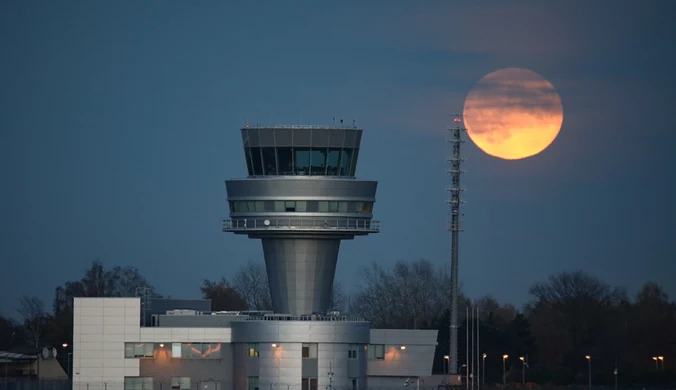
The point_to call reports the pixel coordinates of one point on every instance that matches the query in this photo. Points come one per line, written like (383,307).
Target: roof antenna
(334,121)
(354,123)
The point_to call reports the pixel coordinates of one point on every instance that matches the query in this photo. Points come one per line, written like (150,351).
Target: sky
(119,122)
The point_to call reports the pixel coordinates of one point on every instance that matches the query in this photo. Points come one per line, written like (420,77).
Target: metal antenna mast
(453,226)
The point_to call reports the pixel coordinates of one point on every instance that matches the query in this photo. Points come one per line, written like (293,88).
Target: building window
(252,383)
(253,350)
(310,350)
(376,352)
(139,350)
(176,350)
(352,352)
(138,383)
(180,383)
(309,384)
(198,351)
(354,384)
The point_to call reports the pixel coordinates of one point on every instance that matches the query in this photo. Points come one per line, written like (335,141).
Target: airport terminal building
(301,199)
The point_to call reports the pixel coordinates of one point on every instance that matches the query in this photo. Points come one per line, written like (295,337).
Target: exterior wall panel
(301,188)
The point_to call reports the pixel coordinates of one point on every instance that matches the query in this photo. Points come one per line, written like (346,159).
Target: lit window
(180,383)
(139,350)
(253,350)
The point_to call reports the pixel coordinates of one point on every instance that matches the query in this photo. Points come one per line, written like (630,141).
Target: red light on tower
(457,120)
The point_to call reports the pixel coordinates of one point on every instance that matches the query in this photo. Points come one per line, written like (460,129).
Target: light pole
(504,371)
(483,369)
(661,359)
(588,357)
(657,363)
(615,374)
(523,369)
(447,358)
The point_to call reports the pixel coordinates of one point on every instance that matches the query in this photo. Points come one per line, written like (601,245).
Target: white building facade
(112,351)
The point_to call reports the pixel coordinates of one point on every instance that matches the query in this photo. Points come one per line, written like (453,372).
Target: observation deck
(301,150)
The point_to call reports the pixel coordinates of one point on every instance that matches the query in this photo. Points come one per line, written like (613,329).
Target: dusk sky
(119,122)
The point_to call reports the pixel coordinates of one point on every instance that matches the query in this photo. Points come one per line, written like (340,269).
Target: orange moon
(513,113)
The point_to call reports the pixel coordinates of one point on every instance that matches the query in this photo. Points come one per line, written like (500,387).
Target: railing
(342,126)
(317,317)
(342,224)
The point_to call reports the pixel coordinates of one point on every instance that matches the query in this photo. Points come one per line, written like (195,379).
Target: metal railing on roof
(317,317)
(258,126)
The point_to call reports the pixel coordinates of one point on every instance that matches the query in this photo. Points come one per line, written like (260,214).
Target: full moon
(513,113)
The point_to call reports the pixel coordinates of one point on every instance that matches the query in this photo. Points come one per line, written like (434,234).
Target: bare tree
(251,282)
(410,295)
(501,315)
(572,314)
(33,312)
(338,298)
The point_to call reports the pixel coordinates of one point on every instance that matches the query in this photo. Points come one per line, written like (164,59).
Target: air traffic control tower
(301,198)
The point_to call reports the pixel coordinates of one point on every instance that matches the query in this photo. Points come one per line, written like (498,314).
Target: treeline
(570,315)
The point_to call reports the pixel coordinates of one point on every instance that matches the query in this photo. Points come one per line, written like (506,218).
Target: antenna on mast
(453,226)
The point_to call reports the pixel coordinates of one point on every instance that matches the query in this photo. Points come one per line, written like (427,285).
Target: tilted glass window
(302,161)
(285,161)
(345,161)
(318,162)
(333,162)
(269,161)
(257,161)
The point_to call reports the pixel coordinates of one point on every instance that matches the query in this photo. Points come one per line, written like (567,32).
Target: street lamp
(588,357)
(504,371)
(483,369)
(661,359)
(447,359)
(523,369)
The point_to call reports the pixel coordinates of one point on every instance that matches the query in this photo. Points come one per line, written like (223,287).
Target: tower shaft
(300,273)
